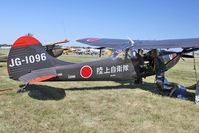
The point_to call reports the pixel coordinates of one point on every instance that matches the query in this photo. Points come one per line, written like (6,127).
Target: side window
(117,54)
(132,53)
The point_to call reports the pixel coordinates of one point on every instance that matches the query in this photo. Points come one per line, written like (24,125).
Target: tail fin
(29,62)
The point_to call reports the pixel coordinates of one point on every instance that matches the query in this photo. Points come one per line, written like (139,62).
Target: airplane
(66,50)
(50,48)
(29,62)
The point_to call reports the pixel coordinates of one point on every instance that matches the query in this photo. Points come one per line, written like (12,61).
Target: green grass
(4,51)
(98,106)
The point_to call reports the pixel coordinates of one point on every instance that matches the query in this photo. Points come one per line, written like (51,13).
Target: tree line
(5,45)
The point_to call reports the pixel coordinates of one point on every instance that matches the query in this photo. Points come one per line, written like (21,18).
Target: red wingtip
(65,41)
(93,39)
(24,41)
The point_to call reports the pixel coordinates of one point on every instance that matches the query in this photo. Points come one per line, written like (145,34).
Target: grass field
(50,107)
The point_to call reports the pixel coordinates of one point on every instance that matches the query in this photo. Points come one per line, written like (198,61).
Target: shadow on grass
(130,85)
(44,92)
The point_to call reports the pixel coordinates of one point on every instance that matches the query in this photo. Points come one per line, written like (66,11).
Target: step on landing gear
(23,88)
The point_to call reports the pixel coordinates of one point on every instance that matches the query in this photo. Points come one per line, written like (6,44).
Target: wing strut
(194,67)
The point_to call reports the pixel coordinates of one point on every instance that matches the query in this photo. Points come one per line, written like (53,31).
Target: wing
(103,42)
(172,43)
(141,44)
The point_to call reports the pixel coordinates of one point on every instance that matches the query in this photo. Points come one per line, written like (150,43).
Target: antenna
(64,28)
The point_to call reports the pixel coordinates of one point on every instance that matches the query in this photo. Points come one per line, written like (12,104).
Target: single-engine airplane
(50,48)
(53,50)
(29,62)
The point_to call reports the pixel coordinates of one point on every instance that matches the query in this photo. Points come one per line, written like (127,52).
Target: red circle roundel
(86,71)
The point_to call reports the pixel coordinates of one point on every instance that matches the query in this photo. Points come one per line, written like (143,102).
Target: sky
(57,20)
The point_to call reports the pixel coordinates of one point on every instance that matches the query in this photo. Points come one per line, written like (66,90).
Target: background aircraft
(34,64)
(53,50)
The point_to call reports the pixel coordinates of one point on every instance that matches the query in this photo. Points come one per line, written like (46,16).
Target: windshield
(120,53)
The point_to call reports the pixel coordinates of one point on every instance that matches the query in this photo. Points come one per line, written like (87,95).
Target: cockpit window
(117,53)
(132,52)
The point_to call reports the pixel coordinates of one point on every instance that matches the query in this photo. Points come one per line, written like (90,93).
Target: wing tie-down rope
(7,89)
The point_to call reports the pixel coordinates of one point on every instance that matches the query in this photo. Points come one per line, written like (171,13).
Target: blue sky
(56,20)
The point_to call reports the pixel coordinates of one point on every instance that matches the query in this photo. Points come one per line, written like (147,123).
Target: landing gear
(23,88)
(138,81)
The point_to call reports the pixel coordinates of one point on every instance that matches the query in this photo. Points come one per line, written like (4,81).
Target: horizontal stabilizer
(38,75)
